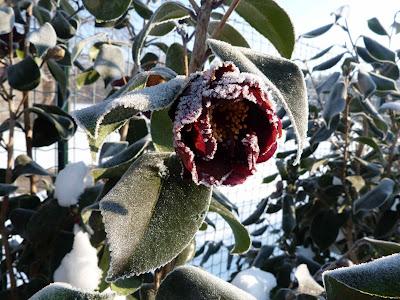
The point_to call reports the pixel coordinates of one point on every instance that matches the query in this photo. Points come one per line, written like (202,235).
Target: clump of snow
(255,282)
(307,284)
(79,267)
(71,182)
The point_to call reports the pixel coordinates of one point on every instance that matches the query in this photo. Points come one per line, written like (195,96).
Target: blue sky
(310,14)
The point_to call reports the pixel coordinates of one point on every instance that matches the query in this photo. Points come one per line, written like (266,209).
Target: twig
(195,6)
(392,150)
(221,24)
(199,48)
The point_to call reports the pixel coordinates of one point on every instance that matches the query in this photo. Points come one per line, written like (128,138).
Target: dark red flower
(224,124)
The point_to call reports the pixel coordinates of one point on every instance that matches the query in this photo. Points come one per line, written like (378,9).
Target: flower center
(227,120)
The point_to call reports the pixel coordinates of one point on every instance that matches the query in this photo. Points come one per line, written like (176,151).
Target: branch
(221,24)
(199,47)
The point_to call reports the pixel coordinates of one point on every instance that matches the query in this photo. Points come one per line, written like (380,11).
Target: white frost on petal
(71,182)
(256,282)
(79,267)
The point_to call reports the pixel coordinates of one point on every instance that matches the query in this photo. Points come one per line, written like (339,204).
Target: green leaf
(375,197)
(44,38)
(142,9)
(377,27)
(7,19)
(321,53)
(288,215)
(325,228)
(270,178)
(77,50)
(228,34)
(384,84)
(166,12)
(101,119)
(365,83)
(369,141)
(7,189)
(85,78)
(270,20)
(378,51)
(242,237)
(105,10)
(383,248)
(161,131)
(126,286)
(51,125)
(24,75)
(283,77)
(110,63)
(187,254)
(59,75)
(174,58)
(63,291)
(42,14)
(335,103)
(317,32)
(379,278)
(24,165)
(190,282)
(64,27)
(149,61)
(151,205)
(365,55)
(328,63)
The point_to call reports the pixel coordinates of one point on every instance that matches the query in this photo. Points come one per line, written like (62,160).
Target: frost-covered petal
(70,183)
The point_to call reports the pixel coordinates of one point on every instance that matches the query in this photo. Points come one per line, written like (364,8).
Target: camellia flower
(224,124)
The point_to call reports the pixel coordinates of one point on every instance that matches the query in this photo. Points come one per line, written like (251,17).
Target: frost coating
(307,284)
(79,267)
(71,182)
(149,209)
(284,78)
(62,291)
(255,282)
(224,124)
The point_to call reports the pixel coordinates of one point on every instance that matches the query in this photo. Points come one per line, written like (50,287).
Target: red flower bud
(224,124)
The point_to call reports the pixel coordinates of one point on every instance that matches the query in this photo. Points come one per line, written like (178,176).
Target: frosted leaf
(255,282)
(110,63)
(63,291)
(149,219)
(377,278)
(79,267)
(43,38)
(71,182)
(190,282)
(283,77)
(307,284)
(101,119)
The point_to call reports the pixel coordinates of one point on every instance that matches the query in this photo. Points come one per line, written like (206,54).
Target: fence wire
(245,196)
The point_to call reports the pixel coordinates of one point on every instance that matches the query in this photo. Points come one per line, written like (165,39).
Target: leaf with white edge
(242,237)
(101,119)
(77,50)
(383,248)
(44,38)
(335,103)
(377,27)
(190,282)
(384,84)
(282,76)
(7,19)
(87,77)
(375,197)
(270,20)
(106,10)
(126,286)
(174,58)
(228,34)
(365,83)
(378,279)
(142,9)
(24,165)
(392,106)
(24,75)
(378,51)
(329,63)
(317,32)
(321,53)
(161,131)
(165,13)
(110,63)
(149,209)
(63,291)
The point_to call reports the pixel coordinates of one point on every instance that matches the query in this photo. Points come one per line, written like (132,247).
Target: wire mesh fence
(246,196)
